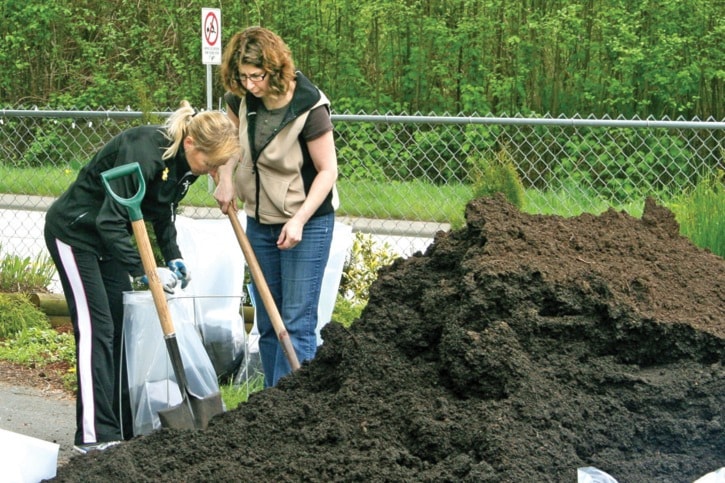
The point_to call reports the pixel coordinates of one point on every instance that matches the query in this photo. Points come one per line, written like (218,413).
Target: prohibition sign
(211,29)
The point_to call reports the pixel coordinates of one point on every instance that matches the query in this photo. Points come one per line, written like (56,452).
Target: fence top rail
(408,119)
(527,121)
(80,114)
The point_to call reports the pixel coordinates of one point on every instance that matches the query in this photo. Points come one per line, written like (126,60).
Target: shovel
(193,412)
(263,289)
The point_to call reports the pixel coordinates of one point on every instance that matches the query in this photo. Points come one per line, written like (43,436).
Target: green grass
(413,200)
(701,214)
(235,394)
(571,199)
(34,181)
(405,201)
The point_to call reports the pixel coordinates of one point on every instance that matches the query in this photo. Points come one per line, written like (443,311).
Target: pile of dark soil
(516,349)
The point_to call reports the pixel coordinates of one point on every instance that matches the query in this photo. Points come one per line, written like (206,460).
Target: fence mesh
(400,177)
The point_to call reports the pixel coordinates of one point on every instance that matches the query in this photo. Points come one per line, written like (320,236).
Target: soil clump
(518,348)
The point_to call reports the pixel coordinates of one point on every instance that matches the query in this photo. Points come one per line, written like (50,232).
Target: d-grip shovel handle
(263,289)
(133,204)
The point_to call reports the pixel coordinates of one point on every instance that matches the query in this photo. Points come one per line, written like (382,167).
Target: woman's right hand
(224,191)
(224,196)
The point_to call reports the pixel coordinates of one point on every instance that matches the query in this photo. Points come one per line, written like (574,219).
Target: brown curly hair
(261,48)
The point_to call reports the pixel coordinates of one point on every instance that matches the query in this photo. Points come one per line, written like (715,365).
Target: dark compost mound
(516,349)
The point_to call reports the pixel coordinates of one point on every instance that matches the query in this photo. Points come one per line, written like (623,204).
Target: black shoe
(87,448)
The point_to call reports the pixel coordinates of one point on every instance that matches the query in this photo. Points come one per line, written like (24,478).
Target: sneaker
(87,448)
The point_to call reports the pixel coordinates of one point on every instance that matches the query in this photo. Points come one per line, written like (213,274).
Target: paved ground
(47,415)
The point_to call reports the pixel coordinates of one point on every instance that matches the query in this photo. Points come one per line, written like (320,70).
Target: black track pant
(94,289)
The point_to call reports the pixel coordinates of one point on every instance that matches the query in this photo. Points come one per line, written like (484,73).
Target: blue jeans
(294,278)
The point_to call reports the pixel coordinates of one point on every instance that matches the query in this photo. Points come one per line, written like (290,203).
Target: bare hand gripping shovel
(263,289)
(193,412)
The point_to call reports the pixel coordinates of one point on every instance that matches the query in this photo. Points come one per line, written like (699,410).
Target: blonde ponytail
(213,132)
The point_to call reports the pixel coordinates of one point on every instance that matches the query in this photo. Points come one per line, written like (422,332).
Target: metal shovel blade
(193,412)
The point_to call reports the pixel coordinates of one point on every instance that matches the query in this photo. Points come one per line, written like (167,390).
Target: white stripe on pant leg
(85,335)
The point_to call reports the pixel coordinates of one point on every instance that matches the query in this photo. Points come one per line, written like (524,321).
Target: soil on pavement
(518,348)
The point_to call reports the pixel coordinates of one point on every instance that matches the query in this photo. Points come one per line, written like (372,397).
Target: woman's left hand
(291,234)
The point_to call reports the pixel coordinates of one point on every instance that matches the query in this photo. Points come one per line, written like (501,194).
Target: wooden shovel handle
(263,289)
(133,205)
(149,265)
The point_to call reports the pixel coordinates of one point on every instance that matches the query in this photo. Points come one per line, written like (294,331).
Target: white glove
(167,278)
(182,272)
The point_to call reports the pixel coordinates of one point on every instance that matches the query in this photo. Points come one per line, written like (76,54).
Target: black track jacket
(85,217)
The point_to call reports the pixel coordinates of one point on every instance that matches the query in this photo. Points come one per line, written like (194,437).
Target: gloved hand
(182,272)
(167,278)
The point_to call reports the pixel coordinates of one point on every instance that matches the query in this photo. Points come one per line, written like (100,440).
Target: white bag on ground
(717,476)
(339,250)
(590,474)
(151,379)
(24,459)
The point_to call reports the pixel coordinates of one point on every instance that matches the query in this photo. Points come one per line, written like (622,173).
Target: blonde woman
(88,237)
(286,179)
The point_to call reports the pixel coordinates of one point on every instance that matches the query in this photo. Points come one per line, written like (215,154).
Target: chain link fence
(401,177)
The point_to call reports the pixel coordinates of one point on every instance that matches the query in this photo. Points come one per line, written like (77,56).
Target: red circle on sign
(211,28)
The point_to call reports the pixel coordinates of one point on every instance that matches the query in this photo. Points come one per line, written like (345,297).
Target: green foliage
(47,148)
(472,56)
(615,164)
(18,313)
(497,176)
(39,346)
(23,274)
(347,311)
(701,214)
(361,267)
(403,152)
(436,155)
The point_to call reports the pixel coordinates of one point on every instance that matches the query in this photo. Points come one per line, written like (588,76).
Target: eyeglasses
(242,78)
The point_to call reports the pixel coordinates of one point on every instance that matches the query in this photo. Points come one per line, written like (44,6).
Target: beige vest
(280,163)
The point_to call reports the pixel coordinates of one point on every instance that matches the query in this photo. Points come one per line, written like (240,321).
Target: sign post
(211,45)
(211,53)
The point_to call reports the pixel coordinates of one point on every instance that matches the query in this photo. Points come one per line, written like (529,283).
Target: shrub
(361,267)
(497,176)
(346,311)
(18,313)
(18,274)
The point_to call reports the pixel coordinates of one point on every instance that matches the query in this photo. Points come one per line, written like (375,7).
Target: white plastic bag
(717,476)
(590,474)
(341,245)
(151,379)
(211,251)
(24,459)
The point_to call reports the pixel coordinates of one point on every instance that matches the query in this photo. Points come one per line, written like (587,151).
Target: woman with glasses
(285,178)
